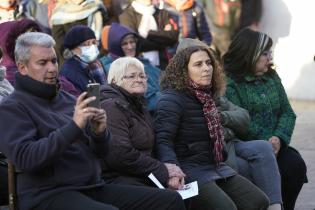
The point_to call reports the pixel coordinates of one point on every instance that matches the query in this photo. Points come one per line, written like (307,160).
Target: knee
(261,202)
(175,199)
(264,147)
(292,166)
(256,149)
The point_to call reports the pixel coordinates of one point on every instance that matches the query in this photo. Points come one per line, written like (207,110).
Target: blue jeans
(257,162)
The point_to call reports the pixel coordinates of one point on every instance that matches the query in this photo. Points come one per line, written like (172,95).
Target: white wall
(291,24)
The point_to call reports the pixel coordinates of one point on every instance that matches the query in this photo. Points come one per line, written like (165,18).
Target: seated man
(55,141)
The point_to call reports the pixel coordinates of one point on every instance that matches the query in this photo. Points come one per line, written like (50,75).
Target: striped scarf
(212,117)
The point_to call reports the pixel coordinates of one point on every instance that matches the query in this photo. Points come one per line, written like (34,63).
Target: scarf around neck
(34,87)
(212,117)
(147,23)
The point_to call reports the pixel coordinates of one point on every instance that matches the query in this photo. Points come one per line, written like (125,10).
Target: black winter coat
(183,138)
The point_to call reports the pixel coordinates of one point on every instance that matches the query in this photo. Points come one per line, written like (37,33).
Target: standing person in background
(191,20)
(223,18)
(7,10)
(81,65)
(189,132)
(64,14)
(251,12)
(156,28)
(120,41)
(253,85)
(37,10)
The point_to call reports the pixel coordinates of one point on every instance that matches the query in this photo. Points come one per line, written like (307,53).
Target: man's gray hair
(29,39)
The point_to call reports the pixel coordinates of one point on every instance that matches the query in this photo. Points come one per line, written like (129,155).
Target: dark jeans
(293,175)
(59,32)
(233,193)
(113,197)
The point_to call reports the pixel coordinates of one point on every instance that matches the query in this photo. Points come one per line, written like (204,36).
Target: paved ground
(304,140)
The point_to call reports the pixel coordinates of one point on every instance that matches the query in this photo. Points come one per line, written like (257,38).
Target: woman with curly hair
(189,132)
(255,86)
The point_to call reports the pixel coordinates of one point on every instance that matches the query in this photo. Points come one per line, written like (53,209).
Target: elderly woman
(81,65)
(253,85)
(130,158)
(189,132)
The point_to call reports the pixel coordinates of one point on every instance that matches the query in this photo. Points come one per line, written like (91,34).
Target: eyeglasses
(135,76)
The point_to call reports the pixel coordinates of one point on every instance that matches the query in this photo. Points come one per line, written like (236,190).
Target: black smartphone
(93,89)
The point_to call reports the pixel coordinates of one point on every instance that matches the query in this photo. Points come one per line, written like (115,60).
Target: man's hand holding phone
(87,108)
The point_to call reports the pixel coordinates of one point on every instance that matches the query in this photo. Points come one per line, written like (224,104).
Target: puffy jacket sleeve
(123,156)
(167,122)
(233,117)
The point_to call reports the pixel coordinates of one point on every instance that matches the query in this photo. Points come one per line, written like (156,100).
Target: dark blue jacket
(44,143)
(76,74)
(80,73)
(182,137)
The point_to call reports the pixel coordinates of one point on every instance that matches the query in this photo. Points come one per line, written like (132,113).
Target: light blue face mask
(89,53)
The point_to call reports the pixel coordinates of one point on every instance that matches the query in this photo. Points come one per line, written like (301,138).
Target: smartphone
(93,89)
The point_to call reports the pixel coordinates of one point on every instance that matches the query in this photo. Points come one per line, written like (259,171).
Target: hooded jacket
(115,35)
(9,33)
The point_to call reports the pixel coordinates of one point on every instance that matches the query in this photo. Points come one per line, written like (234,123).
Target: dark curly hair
(176,77)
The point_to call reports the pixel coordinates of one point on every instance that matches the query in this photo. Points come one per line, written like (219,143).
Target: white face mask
(89,53)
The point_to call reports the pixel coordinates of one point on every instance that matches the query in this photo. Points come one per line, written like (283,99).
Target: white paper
(156,182)
(188,191)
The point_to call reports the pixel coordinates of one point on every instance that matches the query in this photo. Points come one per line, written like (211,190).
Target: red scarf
(213,119)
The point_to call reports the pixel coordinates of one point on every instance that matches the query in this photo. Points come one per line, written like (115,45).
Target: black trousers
(293,175)
(233,193)
(113,197)
(3,185)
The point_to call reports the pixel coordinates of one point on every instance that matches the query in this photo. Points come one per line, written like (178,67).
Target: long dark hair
(176,73)
(244,51)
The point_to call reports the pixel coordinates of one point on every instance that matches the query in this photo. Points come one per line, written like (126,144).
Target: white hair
(119,67)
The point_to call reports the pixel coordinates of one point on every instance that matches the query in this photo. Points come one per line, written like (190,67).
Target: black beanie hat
(76,35)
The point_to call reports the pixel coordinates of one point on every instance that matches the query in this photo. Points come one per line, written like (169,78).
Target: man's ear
(22,68)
